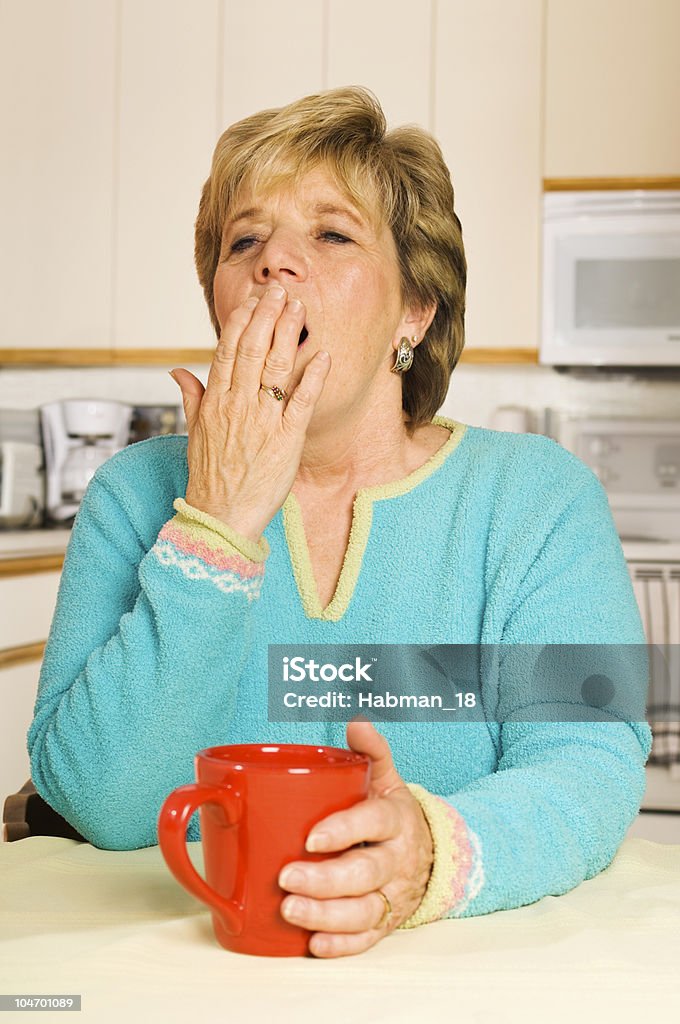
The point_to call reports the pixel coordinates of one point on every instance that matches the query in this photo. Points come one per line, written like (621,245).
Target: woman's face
(346,275)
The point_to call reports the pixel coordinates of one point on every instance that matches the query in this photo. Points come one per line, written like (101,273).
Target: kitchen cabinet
(30,571)
(146,87)
(612,82)
(27,603)
(111,125)
(385,46)
(322,48)
(167,124)
(270,55)
(487,119)
(57,108)
(18,690)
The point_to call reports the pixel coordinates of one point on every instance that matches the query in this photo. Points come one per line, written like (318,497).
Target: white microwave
(611,278)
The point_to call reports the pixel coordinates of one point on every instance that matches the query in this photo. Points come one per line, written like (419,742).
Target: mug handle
(173,821)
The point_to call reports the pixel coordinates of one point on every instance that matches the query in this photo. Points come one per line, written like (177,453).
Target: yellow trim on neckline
(362,517)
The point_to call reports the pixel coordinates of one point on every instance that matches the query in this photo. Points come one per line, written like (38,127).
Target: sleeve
(142,661)
(565,792)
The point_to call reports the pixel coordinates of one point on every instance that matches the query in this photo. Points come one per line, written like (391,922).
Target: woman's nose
(283,254)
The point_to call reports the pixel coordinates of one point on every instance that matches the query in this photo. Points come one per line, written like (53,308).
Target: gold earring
(404,355)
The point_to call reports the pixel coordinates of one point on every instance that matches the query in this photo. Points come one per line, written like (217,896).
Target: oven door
(657,589)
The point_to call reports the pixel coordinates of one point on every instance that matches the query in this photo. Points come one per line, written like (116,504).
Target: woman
(325,502)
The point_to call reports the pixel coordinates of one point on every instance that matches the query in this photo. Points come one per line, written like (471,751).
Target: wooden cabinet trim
(167,358)
(25,565)
(608,184)
(11,656)
(478,355)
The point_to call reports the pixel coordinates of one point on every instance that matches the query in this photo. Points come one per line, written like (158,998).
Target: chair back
(26,814)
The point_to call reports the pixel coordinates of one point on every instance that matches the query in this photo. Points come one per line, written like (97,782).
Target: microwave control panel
(636,460)
(641,464)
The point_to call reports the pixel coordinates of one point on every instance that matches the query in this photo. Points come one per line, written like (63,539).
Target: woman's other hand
(338,898)
(245,445)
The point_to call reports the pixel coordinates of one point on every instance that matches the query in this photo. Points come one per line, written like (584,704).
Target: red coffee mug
(257,804)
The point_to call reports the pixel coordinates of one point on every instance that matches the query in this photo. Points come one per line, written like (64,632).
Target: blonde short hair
(398,178)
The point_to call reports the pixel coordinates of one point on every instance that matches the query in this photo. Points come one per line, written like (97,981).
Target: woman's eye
(241,244)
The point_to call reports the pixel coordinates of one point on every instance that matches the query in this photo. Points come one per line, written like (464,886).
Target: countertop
(14,543)
(32,543)
(117,928)
(651,550)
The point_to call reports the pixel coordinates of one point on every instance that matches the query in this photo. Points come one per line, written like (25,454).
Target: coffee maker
(78,436)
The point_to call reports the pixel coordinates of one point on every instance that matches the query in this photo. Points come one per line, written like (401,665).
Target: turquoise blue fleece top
(158,649)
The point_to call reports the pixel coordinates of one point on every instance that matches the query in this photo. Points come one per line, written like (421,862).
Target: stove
(637,460)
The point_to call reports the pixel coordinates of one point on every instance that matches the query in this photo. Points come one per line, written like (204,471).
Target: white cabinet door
(612,88)
(18,690)
(168,126)
(26,608)
(487,118)
(386,46)
(272,54)
(57,101)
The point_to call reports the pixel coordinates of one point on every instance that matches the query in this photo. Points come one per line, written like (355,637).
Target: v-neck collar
(362,516)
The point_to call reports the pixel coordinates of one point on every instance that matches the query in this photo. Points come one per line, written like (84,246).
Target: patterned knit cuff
(203,547)
(457,873)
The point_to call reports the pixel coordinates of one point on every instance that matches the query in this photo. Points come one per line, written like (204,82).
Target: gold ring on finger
(387,911)
(275,392)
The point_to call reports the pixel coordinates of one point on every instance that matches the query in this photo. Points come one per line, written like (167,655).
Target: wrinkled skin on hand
(337,898)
